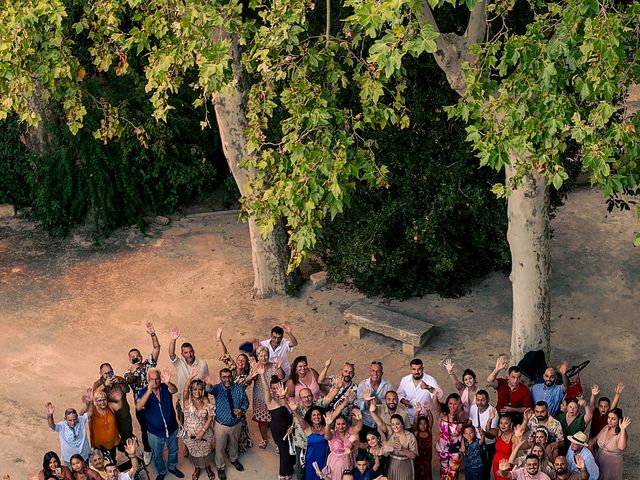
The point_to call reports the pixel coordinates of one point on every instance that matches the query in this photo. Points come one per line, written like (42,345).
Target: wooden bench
(413,333)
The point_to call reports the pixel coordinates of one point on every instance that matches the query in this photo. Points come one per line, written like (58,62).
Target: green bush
(437,226)
(116,183)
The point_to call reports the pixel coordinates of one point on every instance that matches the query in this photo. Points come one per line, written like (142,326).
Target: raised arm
(155,353)
(595,391)
(185,391)
(165,377)
(286,326)
(376,418)
(130,449)
(623,437)
(501,364)
(220,343)
(174,336)
(616,397)
(448,364)
(588,411)
(562,370)
(50,409)
(489,429)
(322,376)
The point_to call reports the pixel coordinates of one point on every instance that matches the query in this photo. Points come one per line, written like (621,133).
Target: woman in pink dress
(611,443)
(452,421)
(303,376)
(341,440)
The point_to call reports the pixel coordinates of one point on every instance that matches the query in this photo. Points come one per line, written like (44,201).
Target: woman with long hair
(376,461)
(80,471)
(303,376)
(52,467)
(507,437)
(198,420)
(452,422)
(467,388)
(341,439)
(260,410)
(611,443)
(572,420)
(281,421)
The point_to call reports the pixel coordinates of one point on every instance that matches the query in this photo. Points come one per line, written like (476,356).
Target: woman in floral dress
(198,419)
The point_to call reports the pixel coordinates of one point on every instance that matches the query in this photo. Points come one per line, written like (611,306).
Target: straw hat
(580,438)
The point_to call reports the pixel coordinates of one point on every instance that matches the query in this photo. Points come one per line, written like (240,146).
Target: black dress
(281,420)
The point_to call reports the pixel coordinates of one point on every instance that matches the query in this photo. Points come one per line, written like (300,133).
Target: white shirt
(73,440)
(182,369)
(414,393)
(378,394)
(484,416)
(281,351)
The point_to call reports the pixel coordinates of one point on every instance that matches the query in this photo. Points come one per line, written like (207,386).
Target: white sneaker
(146,457)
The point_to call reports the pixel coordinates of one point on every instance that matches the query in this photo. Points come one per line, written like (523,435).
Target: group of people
(331,427)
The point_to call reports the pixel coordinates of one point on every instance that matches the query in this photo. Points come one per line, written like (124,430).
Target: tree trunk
(39,139)
(528,235)
(270,255)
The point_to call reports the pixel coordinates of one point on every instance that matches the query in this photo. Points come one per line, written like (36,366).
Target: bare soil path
(68,305)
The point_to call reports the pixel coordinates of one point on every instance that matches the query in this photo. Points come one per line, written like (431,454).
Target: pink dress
(609,456)
(337,461)
(313,386)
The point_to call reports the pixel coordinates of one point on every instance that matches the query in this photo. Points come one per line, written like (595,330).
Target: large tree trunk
(39,139)
(270,255)
(528,236)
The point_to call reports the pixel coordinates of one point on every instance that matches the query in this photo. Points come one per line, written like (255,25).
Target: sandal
(210,473)
(263,444)
(196,474)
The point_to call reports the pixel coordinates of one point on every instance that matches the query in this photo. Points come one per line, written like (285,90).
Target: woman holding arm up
(198,419)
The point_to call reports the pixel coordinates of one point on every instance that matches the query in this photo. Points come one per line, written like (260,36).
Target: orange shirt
(103,429)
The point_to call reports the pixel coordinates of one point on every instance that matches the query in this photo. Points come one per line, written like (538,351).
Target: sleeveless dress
(423,461)
(317,450)
(260,410)
(313,386)
(609,456)
(503,451)
(338,461)
(450,456)
(200,454)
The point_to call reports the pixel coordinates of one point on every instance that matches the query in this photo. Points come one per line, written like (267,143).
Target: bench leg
(409,349)
(355,331)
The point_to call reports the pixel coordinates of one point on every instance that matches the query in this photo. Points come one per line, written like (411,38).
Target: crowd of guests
(331,427)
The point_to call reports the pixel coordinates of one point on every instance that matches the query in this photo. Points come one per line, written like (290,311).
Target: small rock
(160,220)
(23,212)
(7,210)
(319,279)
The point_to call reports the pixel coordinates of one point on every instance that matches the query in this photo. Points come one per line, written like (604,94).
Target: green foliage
(13,164)
(437,226)
(562,82)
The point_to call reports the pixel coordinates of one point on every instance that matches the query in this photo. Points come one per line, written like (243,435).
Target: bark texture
(529,241)
(39,139)
(270,255)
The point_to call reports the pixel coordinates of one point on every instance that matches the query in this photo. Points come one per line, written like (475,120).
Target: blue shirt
(224,411)
(589,462)
(160,415)
(553,395)
(473,458)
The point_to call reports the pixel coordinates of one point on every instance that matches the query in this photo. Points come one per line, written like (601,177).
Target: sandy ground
(68,305)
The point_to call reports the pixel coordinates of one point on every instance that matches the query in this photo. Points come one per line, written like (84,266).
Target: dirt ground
(68,305)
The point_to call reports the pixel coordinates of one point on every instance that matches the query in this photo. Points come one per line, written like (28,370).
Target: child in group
(471,448)
(362,470)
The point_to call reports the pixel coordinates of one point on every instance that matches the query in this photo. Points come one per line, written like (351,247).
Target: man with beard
(513,397)
(376,388)
(391,407)
(580,458)
(231,405)
(562,470)
(541,418)
(417,387)
(116,390)
(549,391)
(347,389)
(484,417)
(530,471)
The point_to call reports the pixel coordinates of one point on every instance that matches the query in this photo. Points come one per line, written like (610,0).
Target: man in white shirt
(73,429)
(484,416)
(417,387)
(279,346)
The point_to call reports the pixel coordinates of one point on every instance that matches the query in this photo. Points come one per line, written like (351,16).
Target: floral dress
(200,454)
(448,448)
(260,410)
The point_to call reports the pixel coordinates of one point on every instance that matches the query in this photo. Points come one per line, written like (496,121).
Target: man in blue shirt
(580,447)
(549,391)
(231,405)
(157,402)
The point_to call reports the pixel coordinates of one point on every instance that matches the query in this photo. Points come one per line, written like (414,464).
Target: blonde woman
(198,419)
